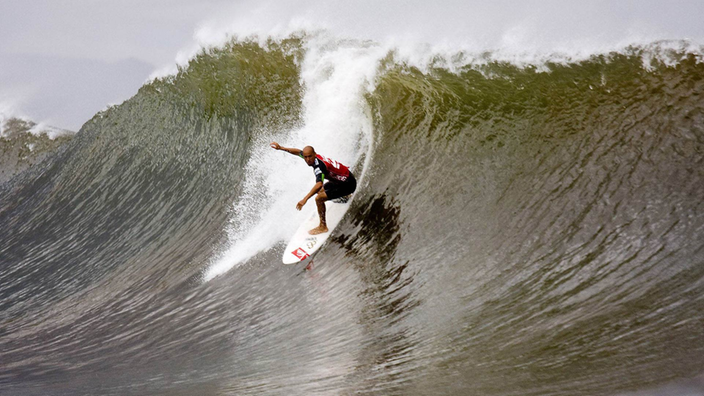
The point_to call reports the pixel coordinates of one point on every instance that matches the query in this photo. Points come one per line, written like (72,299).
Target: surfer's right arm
(294,151)
(313,191)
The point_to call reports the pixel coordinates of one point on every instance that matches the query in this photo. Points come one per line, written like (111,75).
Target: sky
(61,61)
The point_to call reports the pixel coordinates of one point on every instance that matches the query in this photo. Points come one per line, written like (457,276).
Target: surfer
(332,180)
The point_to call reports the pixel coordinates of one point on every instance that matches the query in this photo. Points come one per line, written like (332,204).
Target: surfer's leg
(320,202)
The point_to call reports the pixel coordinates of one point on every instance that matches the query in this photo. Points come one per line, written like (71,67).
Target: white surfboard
(303,245)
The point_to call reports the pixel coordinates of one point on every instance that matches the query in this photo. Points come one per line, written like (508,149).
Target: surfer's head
(309,155)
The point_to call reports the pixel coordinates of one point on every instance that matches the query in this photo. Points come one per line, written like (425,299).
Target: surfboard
(302,245)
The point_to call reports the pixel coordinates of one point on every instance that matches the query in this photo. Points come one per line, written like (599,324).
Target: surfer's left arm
(312,192)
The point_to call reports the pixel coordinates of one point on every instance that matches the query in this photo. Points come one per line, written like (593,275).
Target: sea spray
(335,75)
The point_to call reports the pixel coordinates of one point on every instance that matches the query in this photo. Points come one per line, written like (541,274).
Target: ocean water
(530,227)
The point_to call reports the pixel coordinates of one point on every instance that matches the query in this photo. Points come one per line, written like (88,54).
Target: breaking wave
(520,228)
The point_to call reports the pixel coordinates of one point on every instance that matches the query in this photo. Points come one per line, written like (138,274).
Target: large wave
(530,228)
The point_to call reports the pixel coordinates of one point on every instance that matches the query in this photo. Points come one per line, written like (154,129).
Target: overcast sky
(61,61)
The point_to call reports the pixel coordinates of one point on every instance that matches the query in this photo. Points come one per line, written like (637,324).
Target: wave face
(517,231)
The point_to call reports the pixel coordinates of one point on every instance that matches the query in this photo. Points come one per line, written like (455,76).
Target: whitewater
(526,223)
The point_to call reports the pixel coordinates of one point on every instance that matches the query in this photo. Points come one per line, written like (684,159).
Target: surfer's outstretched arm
(294,151)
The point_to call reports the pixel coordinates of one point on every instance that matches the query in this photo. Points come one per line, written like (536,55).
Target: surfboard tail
(342,200)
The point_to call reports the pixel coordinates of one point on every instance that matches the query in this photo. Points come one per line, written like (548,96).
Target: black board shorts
(337,189)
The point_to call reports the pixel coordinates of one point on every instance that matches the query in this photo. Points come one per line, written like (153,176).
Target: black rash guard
(341,181)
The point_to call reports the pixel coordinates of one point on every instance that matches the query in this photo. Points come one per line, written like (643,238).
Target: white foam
(9,110)
(50,131)
(517,32)
(336,77)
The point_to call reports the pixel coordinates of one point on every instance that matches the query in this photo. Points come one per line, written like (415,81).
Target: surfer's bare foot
(319,230)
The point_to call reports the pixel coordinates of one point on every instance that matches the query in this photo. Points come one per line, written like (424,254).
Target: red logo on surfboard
(300,253)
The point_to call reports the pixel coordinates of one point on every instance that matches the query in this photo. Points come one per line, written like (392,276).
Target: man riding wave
(332,180)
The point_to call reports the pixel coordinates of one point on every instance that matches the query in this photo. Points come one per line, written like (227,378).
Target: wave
(24,143)
(519,228)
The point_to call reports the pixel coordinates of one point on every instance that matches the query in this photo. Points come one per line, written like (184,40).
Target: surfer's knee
(321,197)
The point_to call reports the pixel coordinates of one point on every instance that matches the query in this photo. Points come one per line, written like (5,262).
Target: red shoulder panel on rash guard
(336,170)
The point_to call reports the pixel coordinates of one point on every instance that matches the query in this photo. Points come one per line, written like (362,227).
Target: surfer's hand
(300,204)
(275,146)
